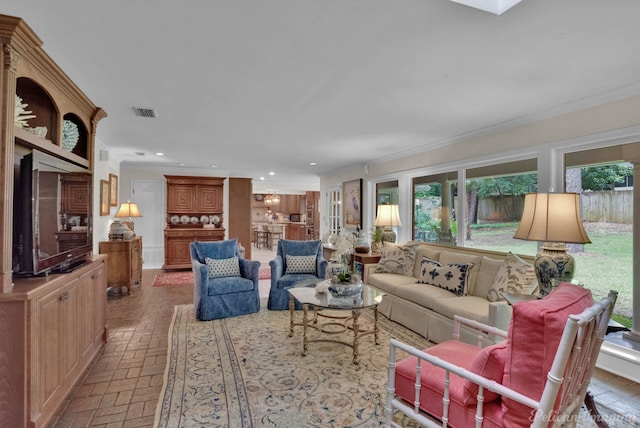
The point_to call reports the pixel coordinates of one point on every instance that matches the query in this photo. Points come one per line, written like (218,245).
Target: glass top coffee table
(327,316)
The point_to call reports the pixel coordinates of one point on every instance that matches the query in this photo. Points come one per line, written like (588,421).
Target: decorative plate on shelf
(194,220)
(204,219)
(215,219)
(175,219)
(184,219)
(70,135)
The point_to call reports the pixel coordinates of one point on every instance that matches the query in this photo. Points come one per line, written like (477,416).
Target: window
(435,201)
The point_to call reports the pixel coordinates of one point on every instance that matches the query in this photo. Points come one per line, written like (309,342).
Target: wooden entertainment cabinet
(51,326)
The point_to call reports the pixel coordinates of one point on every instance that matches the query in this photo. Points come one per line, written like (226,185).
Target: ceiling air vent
(145,112)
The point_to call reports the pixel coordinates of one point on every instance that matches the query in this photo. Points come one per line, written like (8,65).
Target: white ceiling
(270,85)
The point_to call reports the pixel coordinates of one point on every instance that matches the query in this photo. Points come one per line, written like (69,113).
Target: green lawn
(605,264)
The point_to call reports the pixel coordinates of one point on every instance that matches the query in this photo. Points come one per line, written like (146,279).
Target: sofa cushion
(449,257)
(486,274)
(452,277)
(534,335)
(388,282)
(423,294)
(221,268)
(472,307)
(488,363)
(300,264)
(397,258)
(515,276)
(421,252)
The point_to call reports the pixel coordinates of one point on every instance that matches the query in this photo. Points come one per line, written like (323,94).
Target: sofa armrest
(250,269)
(277,269)
(369,269)
(500,314)
(321,267)
(480,327)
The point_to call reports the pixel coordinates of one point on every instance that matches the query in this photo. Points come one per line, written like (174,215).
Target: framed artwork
(113,190)
(352,202)
(104,197)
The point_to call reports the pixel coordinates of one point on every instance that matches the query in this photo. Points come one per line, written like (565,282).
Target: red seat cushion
(534,335)
(432,381)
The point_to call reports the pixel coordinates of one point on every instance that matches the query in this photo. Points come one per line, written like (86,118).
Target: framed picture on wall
(352,202)
(113,190)
(104,197)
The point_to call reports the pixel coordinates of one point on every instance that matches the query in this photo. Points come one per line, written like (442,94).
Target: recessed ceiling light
(159,154)
(214,166)
(261,178)
(313,163)
(272,173)
(497,7)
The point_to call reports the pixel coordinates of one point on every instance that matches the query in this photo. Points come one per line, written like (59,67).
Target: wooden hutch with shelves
(51,326)
(194,213)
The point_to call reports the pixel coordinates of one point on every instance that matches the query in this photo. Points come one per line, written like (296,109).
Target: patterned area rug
(247,372)
(186,277)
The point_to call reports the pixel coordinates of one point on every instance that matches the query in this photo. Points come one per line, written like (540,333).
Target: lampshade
(388,216)
(128,209)
(552,217)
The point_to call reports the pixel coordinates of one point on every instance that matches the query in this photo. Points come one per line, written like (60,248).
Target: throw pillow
(488,363)
(515,276)
(397,258)
(300,264)
(453,277)
(220,268)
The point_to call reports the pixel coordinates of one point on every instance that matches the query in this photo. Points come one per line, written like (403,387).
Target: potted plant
(376,239)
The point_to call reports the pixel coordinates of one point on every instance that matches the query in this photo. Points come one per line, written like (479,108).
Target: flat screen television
(52,224)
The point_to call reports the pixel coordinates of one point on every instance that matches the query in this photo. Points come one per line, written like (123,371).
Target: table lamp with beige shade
(124,229)
(387,218)
(553,219)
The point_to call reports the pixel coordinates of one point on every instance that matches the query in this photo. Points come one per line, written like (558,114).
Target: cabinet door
(58,344)
(92,290)
(209,199)
(177,251)
(181,198)
(75,195)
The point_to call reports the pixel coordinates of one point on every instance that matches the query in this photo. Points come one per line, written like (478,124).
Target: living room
(584,124)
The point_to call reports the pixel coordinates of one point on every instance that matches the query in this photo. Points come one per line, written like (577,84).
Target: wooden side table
(361,259)
(124,265)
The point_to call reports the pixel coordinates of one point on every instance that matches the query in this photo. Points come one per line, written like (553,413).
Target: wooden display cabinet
(124,265)
(194,197)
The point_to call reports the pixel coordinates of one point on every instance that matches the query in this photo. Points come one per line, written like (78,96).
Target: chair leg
(590,404)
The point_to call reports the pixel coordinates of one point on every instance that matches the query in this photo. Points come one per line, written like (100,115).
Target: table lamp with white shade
(388,217)
(554,219)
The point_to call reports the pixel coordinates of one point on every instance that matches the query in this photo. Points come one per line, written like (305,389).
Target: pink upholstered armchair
(537,377)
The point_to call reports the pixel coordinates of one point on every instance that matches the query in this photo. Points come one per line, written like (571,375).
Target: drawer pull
(64,296)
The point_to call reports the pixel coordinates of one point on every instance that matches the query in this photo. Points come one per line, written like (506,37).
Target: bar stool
(277,233)
(262,238)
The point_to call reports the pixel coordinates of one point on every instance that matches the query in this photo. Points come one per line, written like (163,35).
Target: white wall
(101,171)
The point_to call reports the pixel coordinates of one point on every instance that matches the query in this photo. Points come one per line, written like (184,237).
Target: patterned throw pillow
(515,276)
(219,268)
(301,264)
(397,258)
(453,277)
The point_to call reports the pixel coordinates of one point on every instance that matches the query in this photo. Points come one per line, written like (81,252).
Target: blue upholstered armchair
(225,284)
(295,261)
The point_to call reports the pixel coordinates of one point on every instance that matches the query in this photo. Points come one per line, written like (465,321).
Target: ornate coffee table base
(344,323)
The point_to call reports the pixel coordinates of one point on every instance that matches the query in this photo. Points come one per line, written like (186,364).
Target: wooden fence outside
(612,206)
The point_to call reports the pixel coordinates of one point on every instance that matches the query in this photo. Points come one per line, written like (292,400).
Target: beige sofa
(429,310)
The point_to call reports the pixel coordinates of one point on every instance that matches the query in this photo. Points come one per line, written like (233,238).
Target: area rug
(186,277)
(247,372)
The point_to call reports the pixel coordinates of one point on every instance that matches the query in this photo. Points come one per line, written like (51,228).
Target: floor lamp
(388,217)
(554,219)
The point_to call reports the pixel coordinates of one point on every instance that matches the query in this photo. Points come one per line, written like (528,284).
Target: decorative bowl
(338,290)
(362,249)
